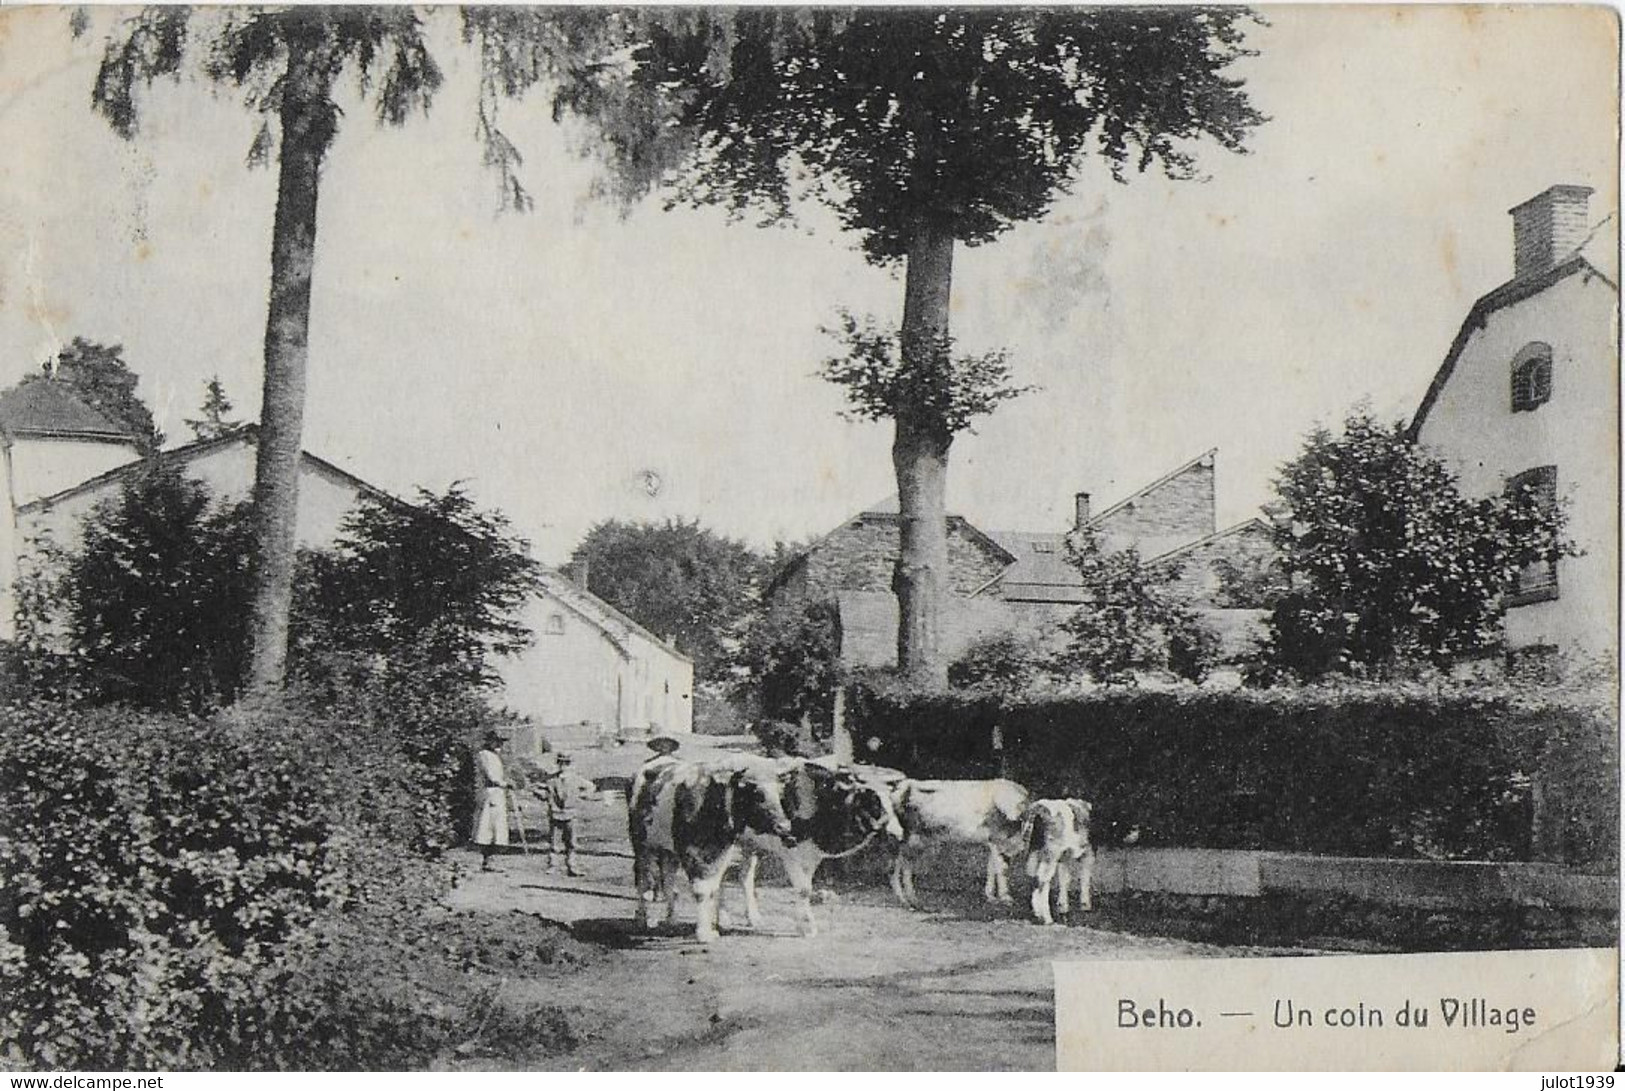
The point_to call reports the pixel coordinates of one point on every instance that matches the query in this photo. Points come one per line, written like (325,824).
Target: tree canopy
(676,579)
(102,379)
(1386,560)
(967,121)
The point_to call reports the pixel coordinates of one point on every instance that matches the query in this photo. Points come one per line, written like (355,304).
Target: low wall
(1440,884)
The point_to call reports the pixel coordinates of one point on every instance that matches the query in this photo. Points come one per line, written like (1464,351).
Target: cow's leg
(668,884)
(902,880)
(707,889)
(1063,879)
(753,909)
(997,887)
(1086,880)
(908,882)
(800,872)
(1041,887)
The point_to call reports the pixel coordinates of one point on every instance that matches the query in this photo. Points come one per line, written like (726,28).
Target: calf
(1057,834)
(833,811)
(691,815)
(982,812)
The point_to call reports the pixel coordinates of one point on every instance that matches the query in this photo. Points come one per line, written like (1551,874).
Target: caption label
(1496,1010)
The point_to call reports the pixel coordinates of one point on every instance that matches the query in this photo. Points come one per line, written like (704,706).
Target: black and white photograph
(767,538)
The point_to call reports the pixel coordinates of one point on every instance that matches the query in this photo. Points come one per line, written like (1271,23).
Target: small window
(555,624)
(1532,377)
(1536,582)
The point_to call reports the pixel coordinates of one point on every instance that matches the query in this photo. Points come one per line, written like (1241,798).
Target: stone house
(1021,581)
(1528,393)
(589,668)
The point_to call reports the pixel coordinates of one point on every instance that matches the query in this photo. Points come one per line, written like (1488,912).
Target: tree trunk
(920,458)
(307,128)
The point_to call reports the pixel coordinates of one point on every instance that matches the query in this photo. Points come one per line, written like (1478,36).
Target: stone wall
(1166,516)
(861,554)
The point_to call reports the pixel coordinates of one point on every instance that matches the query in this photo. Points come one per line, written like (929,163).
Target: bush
(248,892)
(1352,771)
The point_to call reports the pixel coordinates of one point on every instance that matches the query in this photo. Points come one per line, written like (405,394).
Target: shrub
(161,879)
(1351,770)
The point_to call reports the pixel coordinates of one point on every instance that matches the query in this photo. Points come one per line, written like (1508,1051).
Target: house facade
(1527,395)
(588,666)
(1021,582)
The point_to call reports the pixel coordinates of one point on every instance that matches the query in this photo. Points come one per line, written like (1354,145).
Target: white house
(1529,394)
(588,665)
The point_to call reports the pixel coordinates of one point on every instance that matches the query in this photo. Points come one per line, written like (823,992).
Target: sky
(576,364)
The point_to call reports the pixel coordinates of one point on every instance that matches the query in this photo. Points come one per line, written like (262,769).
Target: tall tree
(100,377)
(286,64)
(925,128)
(678,579)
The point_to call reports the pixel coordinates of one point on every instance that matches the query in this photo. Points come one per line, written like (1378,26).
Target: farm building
(1528,394)
(589,668)
(1021,581)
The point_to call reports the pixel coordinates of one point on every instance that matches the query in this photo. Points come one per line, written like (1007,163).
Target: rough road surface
(959,986)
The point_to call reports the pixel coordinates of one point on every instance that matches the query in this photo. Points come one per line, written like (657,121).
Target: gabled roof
(1204,457)
(1513,291)
(598,613)
(885,511)
(243,435)
(45,408)
(1255,523)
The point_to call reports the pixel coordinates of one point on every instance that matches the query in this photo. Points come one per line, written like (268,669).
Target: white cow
(1057,835)
(980,812)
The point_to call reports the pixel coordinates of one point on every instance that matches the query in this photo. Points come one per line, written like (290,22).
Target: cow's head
(1082,811)
(758,804)
(868,806)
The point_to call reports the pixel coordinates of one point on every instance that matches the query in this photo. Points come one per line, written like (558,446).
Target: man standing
(561,792)
(490,800)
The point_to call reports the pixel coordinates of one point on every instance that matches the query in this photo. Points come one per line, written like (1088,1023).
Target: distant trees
(215,413)
(1387,562)
(100,377)
(677,579)
(922,128)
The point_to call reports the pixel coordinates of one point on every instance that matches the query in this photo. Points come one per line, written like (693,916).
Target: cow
(981,812)
(691,815)
(1057,835)
(845,812)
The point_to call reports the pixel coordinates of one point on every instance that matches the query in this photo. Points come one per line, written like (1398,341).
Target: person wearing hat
(664,746)
(490,800)
(561,792)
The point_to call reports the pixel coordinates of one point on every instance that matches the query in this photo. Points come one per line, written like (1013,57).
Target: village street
(959,986)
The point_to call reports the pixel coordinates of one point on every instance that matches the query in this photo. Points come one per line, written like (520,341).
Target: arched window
(1531,377)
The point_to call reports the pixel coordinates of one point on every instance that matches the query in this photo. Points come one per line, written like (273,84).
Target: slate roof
(46,408)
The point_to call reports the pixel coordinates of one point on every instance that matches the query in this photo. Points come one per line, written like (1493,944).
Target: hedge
(246,891)
(1447,775)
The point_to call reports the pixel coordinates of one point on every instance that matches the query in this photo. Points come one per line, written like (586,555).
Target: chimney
(579,572)
(1548,228)
(1080,504)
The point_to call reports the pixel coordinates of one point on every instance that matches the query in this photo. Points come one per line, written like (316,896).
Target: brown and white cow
(844,812)
(981,812)
(691,816)
(1057,836)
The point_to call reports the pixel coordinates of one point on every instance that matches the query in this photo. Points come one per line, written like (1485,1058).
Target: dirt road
(960,986)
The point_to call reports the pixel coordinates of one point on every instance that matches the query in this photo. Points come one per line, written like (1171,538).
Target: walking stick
(519,813)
